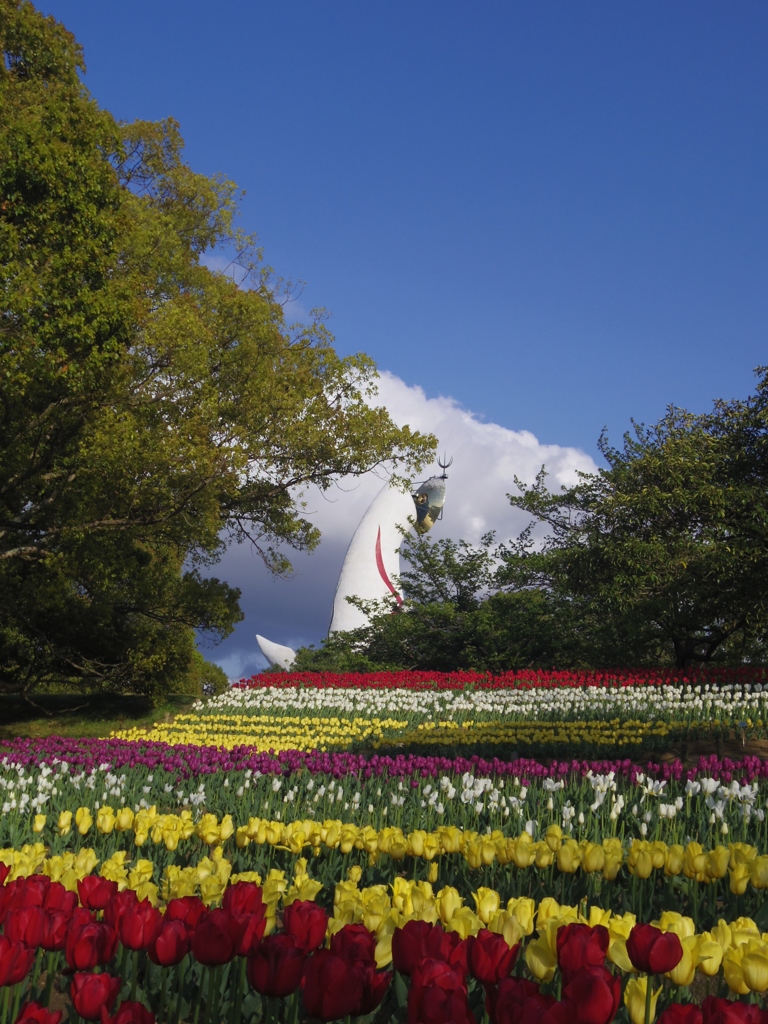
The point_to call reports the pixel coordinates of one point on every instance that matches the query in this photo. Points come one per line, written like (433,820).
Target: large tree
(151,410)
(669,542)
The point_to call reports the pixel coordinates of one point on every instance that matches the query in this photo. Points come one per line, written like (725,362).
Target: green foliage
(203,673)
(151,410)
(670,542)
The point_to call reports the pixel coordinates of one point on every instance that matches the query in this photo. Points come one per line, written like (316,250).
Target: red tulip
(251,932)
(30,891)
(490,958)
(307,923)
(217,936)
(89,944)
(91,992)
(5,870)
(188,909)
(438,993)
(172,944)
(519,1001)
(275,968)
(57,925)
(653,951)
(723,1011)
(128,1013)
(243,898)
(33,1013)
(23,892)
(96,892)
(120,904)
(419,939)
(375,985)
(681,1013)
(140,928)
(580,946)
(333,986)
(27,924)
(57,899)
(16,959)
(354,942)
(592,995)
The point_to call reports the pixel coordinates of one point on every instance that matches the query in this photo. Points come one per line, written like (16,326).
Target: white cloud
(486,458)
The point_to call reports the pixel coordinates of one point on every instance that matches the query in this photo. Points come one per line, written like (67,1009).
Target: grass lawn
(81,714)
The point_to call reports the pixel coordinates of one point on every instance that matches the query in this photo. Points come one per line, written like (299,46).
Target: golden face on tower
(428,500)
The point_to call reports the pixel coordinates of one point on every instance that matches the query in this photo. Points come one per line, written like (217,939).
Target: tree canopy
(671,539)
(151,411)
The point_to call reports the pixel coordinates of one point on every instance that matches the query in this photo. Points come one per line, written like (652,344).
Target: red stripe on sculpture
(382,570)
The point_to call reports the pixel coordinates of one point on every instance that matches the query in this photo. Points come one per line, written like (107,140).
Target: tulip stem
(134,973)
(216,982)
(36,973)
(124,963)
(178,987)
(16,1000)
(648,992)
(6,1001)
(49,974)
(213,992)
(163,982)
(239,986)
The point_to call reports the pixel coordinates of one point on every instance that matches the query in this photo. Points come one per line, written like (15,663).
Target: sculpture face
(429,500)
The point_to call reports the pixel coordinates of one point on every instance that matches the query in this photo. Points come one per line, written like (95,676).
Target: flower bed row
(719,802)
(519,679)
(590,717)
(649,875)
(413,954)
(181,762)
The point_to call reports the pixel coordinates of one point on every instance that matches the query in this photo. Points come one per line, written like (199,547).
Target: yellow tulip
(506,924)
(105,820)
(592,857)
(524,909)
(83,820)
(416,842)
(448,902)
(124,819)
(487,902)
(671,921)
(38,823)
(553,837)
(694,862)
(540,959)
(640,859)
(739,876)
(685,971)
(450,838)
(717,861)
(754,965)
(64,824)
(759,875)
(732,969)
(569,856)
(523,851)
(710,955)
(635,995)
(464,922)
(545,856)
(673,863)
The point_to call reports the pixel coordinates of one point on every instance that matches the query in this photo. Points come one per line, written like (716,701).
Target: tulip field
(396,848)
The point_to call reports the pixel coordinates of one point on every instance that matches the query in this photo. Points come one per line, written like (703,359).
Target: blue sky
(553,213)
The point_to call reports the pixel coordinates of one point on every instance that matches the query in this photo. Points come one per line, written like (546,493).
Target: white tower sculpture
(372,560)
